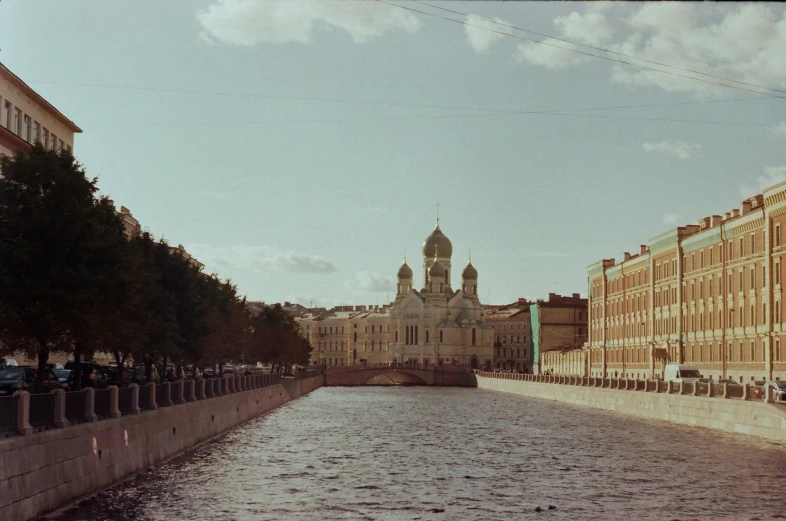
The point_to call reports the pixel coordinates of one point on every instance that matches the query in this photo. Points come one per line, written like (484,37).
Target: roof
(39,99)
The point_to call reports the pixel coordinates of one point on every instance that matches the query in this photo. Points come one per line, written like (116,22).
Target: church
(437,324)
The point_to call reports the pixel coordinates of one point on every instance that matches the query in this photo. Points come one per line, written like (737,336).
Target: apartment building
(708,294)
(27,118)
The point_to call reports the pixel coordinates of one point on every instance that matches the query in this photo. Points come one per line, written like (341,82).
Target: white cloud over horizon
(678,149)
(772,176)
(370,282)
(251,22)
(779,131)
(260,258)
(672,219)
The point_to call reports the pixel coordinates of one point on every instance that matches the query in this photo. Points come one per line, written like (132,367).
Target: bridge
(355,375)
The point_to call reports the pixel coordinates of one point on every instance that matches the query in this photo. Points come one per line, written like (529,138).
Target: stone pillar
(90,404)
(682,387)
(199,390)
(166,399)
(696,388)
(769,396)
(225,386)
(135,409)
(188,390)
(725,389)
(177,392)
(745,393)
(22,403)
(218,386)
(709,390)
(152,404)
(59,412)
(114,402)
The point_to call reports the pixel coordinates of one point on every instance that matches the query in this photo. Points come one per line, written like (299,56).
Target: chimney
(716,220)
(746,207)
(735,213)
(727,216)
(705,222)
(576,295)
(627,256)
(552,296)
(642,249)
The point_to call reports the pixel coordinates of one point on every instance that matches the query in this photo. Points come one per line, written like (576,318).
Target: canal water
(390,453)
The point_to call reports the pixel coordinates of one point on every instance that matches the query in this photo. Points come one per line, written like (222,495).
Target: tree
(277,340)
(59,245)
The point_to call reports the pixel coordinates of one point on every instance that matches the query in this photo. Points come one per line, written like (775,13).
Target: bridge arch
(395,378)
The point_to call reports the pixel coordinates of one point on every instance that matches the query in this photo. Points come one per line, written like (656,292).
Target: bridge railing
(725,390)
(24,413)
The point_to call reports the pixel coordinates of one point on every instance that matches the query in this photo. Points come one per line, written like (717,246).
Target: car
(722,381)
(111,374)
(66,378)
(54,366)
(778,389)
(91,374)
(23,378)
(681,373)
(8,362)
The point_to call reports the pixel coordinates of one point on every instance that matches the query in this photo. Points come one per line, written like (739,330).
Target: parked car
(23,378)
(778,389)
(725,381)
(8,362)
(66,378)
(91,374)
(56,365)
(114,377)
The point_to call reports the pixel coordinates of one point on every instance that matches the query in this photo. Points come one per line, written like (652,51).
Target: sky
(300,148)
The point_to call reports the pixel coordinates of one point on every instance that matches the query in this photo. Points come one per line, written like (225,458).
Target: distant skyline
(299,148)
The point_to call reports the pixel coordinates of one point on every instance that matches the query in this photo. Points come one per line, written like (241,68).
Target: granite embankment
(42,471)
(734,415)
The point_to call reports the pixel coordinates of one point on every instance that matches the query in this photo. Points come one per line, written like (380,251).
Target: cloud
(779,132)
(742,42)
(672,219)
(480,32)
(214,195)
(590,28)
(260,258)
(251,22)
(772,176)
(370,282)
(674,148)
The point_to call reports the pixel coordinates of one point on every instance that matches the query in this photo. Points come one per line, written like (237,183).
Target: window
(45,139)
(53,142)
(777,235)
(36,132)
(753,243)
(17,128)
(753,278)
(742,285)
(427,336)
(26,128)
(473,336)
(742,247)
(777,270)
(7,114)
(372,328)
(440,335)
(777,316)
(776,351)
(701,259)
(710,256)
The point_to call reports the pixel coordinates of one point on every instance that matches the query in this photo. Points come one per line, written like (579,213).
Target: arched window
(473,336)
(440,287)
(427,336)
(440,335)
(407,335)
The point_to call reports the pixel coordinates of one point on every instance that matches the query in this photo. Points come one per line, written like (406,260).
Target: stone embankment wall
(755,418)
(43,471)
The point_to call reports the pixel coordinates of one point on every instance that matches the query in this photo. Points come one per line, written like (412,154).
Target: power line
(376,102)
(603,49)
(540,42)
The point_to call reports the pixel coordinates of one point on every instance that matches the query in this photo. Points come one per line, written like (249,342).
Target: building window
(440,335)
(53,142)
(45,139)
(7,114)
(473,336)
(777,235)
(17,129)
(742,247)
(427,335)
(26,128)
(396,336)
(777,316)
(36,132)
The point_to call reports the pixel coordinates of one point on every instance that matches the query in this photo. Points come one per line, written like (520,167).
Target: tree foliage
(71,281)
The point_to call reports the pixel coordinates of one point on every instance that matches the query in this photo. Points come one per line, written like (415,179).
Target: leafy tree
(59,247)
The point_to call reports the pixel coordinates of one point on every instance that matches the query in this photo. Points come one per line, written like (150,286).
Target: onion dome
(469,272)
(436,270)
(437,241)
(405,272)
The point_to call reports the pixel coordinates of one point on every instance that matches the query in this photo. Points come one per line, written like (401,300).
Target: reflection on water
(385,453)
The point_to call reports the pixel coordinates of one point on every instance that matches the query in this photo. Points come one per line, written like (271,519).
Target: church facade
(433,325)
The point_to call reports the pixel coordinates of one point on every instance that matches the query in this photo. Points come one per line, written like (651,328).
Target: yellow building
(435,325)
(708,294)
(27,118)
